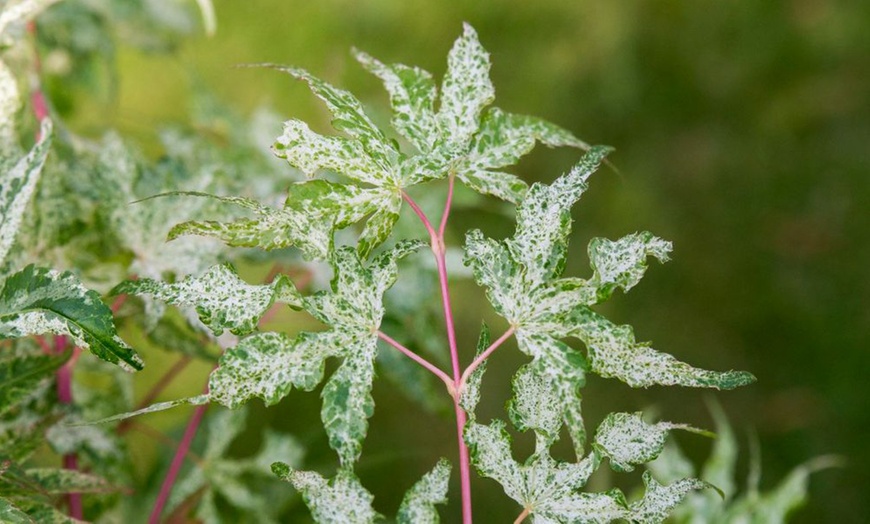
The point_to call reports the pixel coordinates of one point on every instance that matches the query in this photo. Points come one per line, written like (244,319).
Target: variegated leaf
(418,505)
(20,11)
(547,488)
(269,365)
(222,300)
(658,501)
(470,395)
(521,277)
(18,183)
(465,90)
(350,117)
(341,499)
(38,301)
(412,95)
(502,140)
(310,152)
(627,440)
(613,352)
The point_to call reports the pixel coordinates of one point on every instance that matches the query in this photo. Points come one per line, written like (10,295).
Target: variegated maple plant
(450,138)
(448,135)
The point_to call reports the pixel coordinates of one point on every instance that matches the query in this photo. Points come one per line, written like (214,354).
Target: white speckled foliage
(222,299)
(443,133)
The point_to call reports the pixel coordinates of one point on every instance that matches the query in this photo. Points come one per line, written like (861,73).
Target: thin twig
(177,462)
(418,359)
(484,355)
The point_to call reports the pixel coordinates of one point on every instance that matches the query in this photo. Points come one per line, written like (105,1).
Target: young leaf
(418,506)
(18,183)
(221,298)
(268,365)
(470,395)
(38,301)
(341,499)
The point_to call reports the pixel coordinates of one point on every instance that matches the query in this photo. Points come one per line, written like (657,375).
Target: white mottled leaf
(470,395)
(269,365)
(349,116)
(341,499)
(622,263)
(348,402)
(412,96)
(222,299)
(627,440)
(379,226)
(521,277)
(500,185)
(18,183)
(613,352)
(418,505)
(310,152)
(38,301)
(659,500)
(546,487)
(466,89)
(544,219)
(535,405)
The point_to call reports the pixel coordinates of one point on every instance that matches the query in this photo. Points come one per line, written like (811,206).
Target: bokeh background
(742,132)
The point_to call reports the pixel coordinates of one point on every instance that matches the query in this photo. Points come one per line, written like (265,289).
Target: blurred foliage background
(743,135)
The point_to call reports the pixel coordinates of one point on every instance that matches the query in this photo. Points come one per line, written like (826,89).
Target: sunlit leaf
(341,499)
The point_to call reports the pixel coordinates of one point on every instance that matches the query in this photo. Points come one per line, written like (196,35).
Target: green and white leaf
(38,301)
(658,501)
(20,11)
(412,95)
(341,499)
(522,280)
(470,394)
(17,179)
(269,365)
(465,90)
(222,299)
(628,441)
(418,506)
(613,352)
(546,487)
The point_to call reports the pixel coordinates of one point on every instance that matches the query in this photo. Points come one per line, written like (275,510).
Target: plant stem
(522,516)
(438,250)
(64,396)
(177,461)
(418,359)
(484,355)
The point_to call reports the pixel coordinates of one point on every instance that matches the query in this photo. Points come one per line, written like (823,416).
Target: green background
(742,132)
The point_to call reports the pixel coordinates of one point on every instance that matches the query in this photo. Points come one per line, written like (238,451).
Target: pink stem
(177,462)
(483,356)
(64,396)
(437,238)
(447,204)
(418,359)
